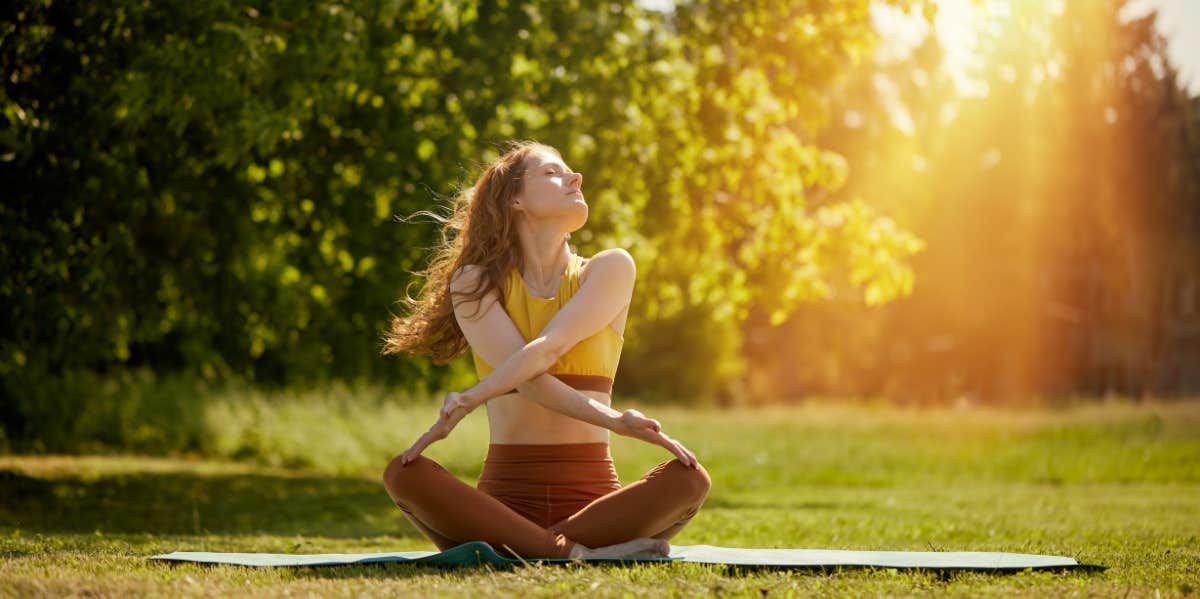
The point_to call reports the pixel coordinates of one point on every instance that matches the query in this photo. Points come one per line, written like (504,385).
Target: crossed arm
(492,334)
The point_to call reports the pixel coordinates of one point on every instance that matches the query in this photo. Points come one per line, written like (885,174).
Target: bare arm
(606,291)
(492,335)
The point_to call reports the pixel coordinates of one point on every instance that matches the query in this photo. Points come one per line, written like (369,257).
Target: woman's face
(551,190)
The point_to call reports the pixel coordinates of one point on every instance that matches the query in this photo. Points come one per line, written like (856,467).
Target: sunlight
(958,23)
(958,26)
(1018,130)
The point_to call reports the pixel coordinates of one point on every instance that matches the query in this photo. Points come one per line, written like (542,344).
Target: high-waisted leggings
(538,501)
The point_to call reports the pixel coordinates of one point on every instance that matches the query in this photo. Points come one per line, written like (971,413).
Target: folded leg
(658,505)
(451,512)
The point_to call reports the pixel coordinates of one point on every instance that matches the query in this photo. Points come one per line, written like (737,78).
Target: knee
(696,481)
(399,477)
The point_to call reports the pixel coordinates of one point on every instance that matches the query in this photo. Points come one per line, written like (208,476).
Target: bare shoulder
(614,260)
(466,277)
(465,282)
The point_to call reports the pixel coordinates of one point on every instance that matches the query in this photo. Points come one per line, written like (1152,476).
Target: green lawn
(1111,483)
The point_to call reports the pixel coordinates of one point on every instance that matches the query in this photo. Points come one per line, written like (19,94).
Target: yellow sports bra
(592,363)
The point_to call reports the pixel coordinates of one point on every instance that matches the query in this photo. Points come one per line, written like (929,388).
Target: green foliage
(727,221)
(207,187)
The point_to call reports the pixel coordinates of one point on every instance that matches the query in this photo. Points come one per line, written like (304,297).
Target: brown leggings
(538,501)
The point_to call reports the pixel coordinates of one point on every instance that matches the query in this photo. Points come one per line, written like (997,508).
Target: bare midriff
(514,419)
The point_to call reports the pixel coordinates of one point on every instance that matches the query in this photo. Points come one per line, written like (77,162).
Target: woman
(552,323)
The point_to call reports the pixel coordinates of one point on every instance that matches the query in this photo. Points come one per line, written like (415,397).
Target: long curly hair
(480,230)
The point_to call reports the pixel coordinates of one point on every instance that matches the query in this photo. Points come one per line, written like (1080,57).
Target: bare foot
(643,547)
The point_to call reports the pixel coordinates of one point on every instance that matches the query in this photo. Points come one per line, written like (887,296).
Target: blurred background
(920,202)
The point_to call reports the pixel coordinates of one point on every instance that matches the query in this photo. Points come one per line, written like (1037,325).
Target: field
(1106,482)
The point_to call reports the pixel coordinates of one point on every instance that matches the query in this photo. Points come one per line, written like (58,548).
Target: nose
(579,178)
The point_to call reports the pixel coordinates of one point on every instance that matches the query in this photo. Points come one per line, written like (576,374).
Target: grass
(1115,483)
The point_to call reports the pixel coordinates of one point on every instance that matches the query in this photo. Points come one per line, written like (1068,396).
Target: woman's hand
(635,424)
(454,409)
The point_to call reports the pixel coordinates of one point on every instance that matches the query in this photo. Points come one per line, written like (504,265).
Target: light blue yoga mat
(479,553)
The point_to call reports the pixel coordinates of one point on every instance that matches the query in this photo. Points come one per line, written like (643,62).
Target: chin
(577,214)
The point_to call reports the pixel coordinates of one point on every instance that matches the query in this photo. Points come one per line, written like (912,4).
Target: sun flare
(958,25)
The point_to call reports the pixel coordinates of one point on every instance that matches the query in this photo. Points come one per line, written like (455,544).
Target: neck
(545,254)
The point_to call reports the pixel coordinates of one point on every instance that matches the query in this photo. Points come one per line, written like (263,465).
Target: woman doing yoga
(545,329)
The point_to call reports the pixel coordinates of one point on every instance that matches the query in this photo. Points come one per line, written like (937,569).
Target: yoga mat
(478,553)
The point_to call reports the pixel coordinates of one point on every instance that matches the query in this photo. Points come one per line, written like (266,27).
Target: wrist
(616,423)
(472,398)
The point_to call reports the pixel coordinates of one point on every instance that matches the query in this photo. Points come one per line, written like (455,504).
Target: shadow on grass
(184,503)
(233,504)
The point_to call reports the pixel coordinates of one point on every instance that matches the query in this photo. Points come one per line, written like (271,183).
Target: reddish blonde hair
(480,230)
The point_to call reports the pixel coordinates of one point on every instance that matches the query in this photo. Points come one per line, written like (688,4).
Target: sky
(1178,21)
(956,22)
